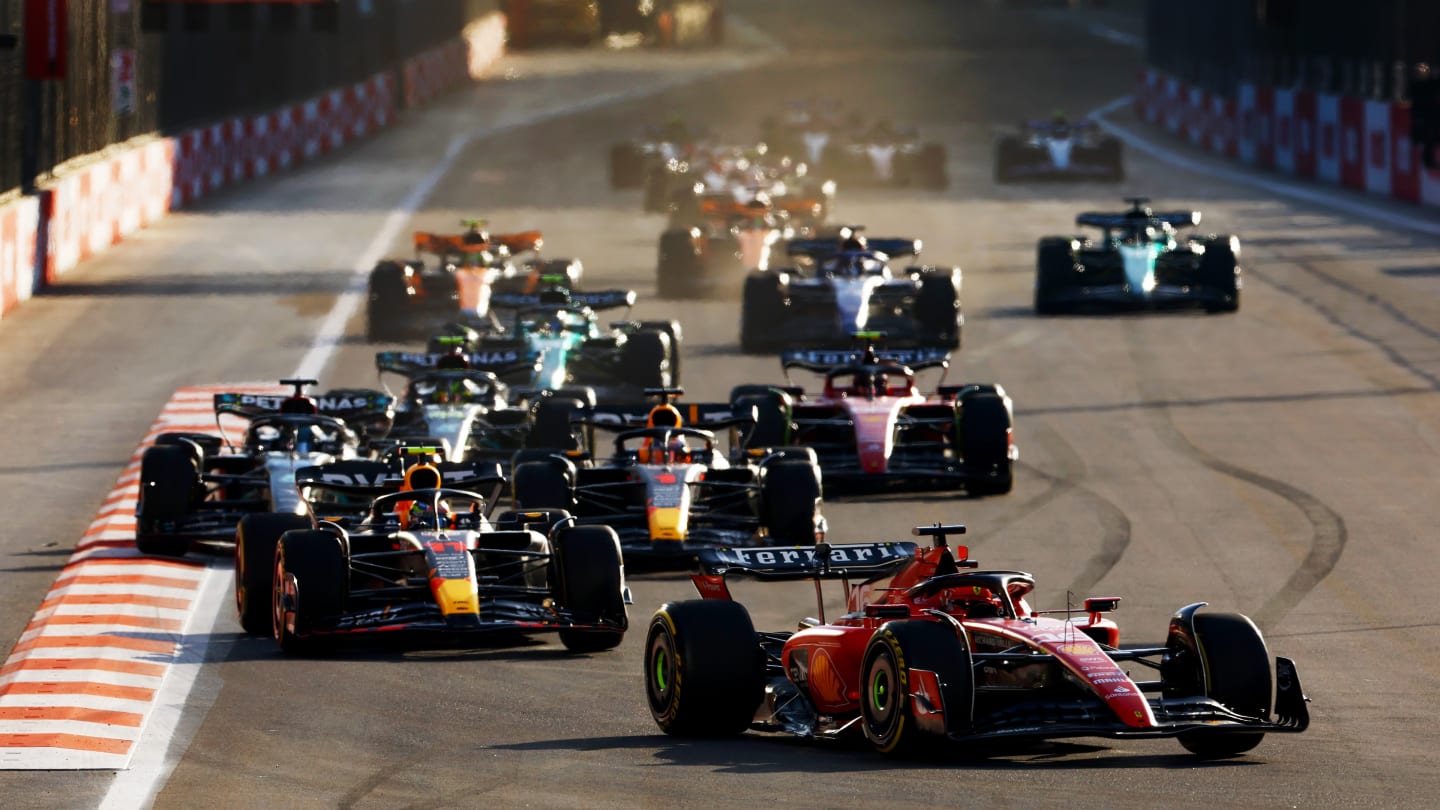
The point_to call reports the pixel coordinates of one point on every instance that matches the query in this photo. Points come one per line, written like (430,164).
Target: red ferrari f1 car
(932,650)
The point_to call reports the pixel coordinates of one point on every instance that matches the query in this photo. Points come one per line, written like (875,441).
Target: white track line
(1303,191)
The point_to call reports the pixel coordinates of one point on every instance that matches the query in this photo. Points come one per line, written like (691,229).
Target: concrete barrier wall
(1343,140)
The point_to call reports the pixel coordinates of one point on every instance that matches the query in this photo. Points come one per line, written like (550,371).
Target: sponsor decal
(838,554)
(1081,648)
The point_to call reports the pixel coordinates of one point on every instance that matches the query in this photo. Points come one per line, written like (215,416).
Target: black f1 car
(197,486)
(666,487)
(420,556)
(931,651)
(1140,261)
(846,285)
(1058,150)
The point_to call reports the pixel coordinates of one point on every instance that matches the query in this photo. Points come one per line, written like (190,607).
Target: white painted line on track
(150,764)
(1302,191)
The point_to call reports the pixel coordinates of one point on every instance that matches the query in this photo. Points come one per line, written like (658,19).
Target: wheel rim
(882,703)
(662,676)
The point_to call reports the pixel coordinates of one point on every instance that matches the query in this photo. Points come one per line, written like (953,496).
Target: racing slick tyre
(1220,273)
(984,425)
(762,313)
(929,170)
(1054,271)
(790,505)
(1237,668)
(704,668)
(937,310)
(772,414)
(550,427)
(627,167)
(645,360)
(590,579)
(542,485)
(1007,156)
(199,444)
(385,302)
(1110,153)
(312,577)
(657,191)
(680,265)
(168,487)
(888,685)
(672,329)
(256,537)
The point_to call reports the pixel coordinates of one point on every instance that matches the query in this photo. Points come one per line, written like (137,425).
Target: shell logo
(826,684)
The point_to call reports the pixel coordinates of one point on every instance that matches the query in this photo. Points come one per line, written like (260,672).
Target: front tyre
(1237,663)
(591,580)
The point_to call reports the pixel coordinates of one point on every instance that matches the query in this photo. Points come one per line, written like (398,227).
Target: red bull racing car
(932,650)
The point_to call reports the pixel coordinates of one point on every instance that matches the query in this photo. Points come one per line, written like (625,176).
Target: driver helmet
(854,242)
(454,360)
(421,513)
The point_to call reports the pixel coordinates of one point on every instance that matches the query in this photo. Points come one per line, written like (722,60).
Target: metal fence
(1370,48)
(137,66)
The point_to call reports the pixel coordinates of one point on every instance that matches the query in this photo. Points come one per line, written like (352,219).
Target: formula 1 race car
(424,559)
(871,426)
(855,153)
(679,186)
(710,258)
(847,285)
(667,489)
(1141,261)
(1058,150)
(407,298)
(930,650)
(466,410)
(197,486)
(556,342)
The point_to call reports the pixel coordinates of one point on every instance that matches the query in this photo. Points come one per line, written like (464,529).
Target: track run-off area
(1279,462)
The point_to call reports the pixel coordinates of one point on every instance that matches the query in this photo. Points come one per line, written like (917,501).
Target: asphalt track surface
(1280,462)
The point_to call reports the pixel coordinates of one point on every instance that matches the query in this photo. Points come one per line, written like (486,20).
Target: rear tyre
(679,265)
(541,485)
(591,581)
(887,708)
(1054,272)
(704,668)
(385,303)
(937,308)
(645,360)
(256,538)
(312,576)
(985,425)
(772,415)
(627,167)
(1110,152)
(1238,665)
(762,313)
(168,488)
(930,170)
(1220,273)
(790,510)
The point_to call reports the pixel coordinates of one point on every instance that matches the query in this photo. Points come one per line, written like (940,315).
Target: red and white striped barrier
(83,678)
(1344,140)
(19,222)
(94,207)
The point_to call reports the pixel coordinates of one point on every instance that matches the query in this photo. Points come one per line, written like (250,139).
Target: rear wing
(342,403)
(893,247)
(597,300)
(496,361)
(468,243)
(820,561)
(694,414)
(371,479)
(823,360)
(1175,219)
